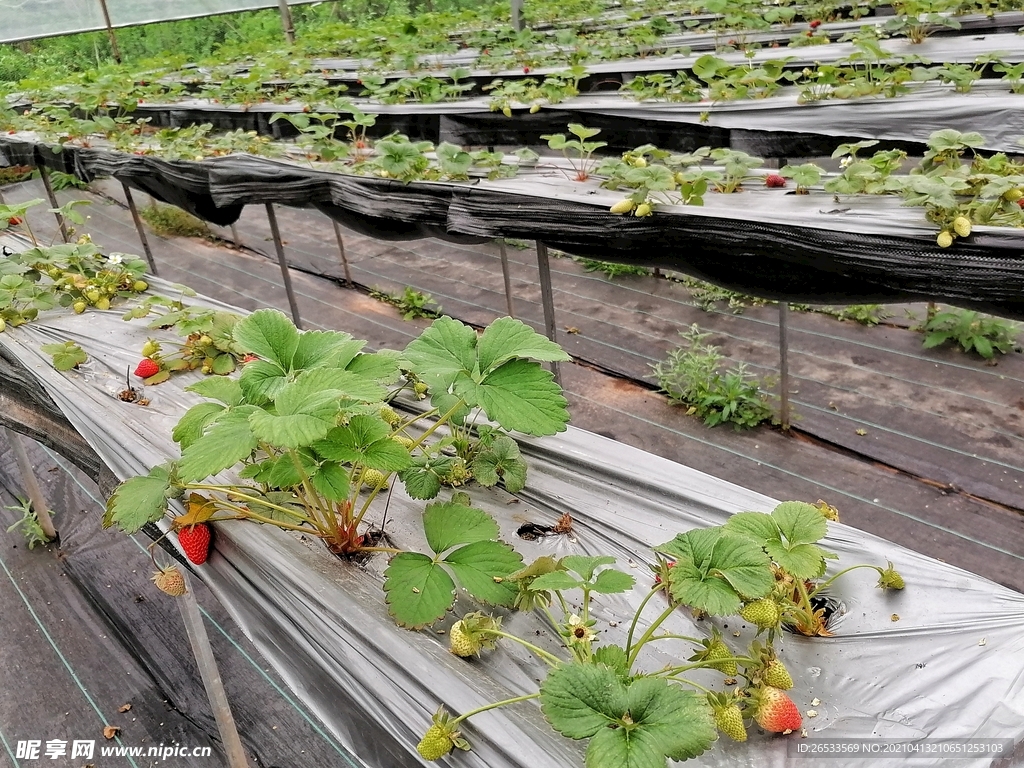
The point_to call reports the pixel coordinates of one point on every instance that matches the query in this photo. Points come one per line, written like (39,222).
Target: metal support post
(35,493)
(517,15)
(110,32)
(503,250)
(784,365)
(285,275)
(44,174)
(234,236)
(139,228)
(203,652)
(286,21)
(547,301)
(341,250)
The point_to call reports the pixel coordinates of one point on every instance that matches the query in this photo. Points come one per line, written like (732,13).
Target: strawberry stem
(495,705)
(550,658)
(631,655)
(636,616)
(825,584)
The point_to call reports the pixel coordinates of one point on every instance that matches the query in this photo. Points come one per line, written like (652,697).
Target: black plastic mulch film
(766,244)
(946,669)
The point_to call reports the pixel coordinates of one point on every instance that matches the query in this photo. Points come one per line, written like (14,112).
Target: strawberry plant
(577,151)
(804,176)
(411,303)
(66,355)
(306,429)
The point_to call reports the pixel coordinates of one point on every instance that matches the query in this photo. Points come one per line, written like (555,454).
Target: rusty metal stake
(341,250)
(506,276)
(44,174)
(547,301)
(28,477)
(139,228)
(285,275)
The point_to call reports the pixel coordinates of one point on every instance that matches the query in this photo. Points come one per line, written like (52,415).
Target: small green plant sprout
(865,314)
(736,166)
(691,375)
(804,176)
(66,355)
(577,151)
(972,331)
(411,303)
(306,428)
(171,221)
(612,269)
(28,525)
(17,215)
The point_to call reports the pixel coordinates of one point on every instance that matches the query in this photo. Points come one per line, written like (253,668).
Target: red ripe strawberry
(1021,202)
(774,181)
(14,221)
(775,711)
(146,368)
(526,70)
(815,24)
(195,542)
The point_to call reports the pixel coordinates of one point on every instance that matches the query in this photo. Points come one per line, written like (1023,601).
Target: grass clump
(169,221)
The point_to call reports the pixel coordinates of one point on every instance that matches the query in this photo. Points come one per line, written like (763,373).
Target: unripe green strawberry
(777,676)
(890,579)
(103,303)
(374,478)
(420,389)
(623,206)
(775,711)
(644,209)
(139,286)
(205,340)
(408,442)
(506,111)
(714,648)
(3,325)
(388,414)
(730,722)
(534,109)
(79,307)
(962,226)
(458,474)
(150,348)
(763,613)
(93,295)
(945,239)
(1013,195)
(435,743)
(462,643)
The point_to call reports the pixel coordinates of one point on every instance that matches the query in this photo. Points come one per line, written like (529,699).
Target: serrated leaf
(191,425)
(333,349)
(347,384)
(331,482)
(742,563)
(285,473)
(610,582)
(520,395)
(444,349)
(804,561)
(555,581)
(227,391)
(586,565)
(418,591)
(711,594)
(138,501)
(799,522)
(261,380)
(66,355)
(421,482)
(543,564)
(382,366)
(445,402)
(501,460)
(268,334)
(756,526)
(365,440)
(448,524)
(507,338)
(581,699)
(477,565)
(228,440)
(613,656)
(223,364)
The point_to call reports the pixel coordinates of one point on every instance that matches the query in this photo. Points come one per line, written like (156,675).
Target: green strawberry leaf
(268,334)
(331,482)
(325,349)
(226,440)
(611,581)
(507,338)
(261,380)
(664,721)
(556,581)
(66,355)
(285,473)
(423,479)
(444,349)
(477,565)
(581,699)
(365,440)
(716,570)
(227,391)
(585,566)
(191,425)
(799,522)
(418,591)
(613,656)
(756,526)
(449,524)
(348,384)
(501,460)
(804,561)
(519,395)
(383,366)
(223,364)
(138,501)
